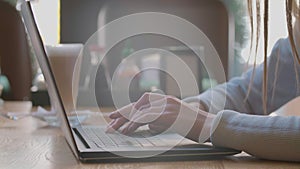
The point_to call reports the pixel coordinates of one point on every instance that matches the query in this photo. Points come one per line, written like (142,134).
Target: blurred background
(225,22)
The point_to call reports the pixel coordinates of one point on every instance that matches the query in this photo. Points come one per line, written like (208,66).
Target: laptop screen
(39,50)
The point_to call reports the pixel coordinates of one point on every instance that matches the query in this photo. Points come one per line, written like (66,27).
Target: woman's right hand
(160,113)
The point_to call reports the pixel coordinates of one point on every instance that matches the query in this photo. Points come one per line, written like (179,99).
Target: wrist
(200,132)
(205,133)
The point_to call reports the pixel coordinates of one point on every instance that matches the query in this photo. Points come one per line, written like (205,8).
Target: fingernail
(111,115)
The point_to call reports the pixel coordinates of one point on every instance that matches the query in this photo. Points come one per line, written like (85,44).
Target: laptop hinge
(81,138)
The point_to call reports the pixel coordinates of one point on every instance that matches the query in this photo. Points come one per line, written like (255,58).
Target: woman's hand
(163,113)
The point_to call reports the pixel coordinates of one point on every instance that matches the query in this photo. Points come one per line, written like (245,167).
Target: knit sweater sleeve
(268,137)
(282,86)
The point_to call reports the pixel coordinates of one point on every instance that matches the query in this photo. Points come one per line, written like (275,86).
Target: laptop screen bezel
(39,50)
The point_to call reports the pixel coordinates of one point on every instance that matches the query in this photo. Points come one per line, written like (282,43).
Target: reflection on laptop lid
(43,61)
(85,149)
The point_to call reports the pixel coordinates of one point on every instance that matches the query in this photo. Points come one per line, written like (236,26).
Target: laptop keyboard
(100,138)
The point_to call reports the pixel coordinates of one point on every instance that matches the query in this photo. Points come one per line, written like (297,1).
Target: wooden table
(31,143)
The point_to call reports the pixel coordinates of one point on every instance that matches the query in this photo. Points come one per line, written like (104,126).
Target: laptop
(90,143)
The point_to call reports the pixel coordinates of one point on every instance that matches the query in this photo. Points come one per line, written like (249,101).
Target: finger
(116,124)
(148,98)
(123,112)
(109,129)
(131,127)
(141,116)
(164,111)
(153,104)
(111,122)
(144,116)
(146,106)
(139,121)
(155,113)
(157,128)
(114,115)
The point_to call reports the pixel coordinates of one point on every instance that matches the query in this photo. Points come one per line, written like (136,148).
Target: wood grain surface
(31,143)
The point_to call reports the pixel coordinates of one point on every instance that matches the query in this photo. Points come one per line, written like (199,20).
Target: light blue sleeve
(268,137)
(282,86)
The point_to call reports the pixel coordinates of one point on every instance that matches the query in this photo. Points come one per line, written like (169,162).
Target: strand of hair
(265,77)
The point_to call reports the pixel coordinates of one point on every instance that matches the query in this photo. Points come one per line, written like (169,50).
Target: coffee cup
(62,59)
